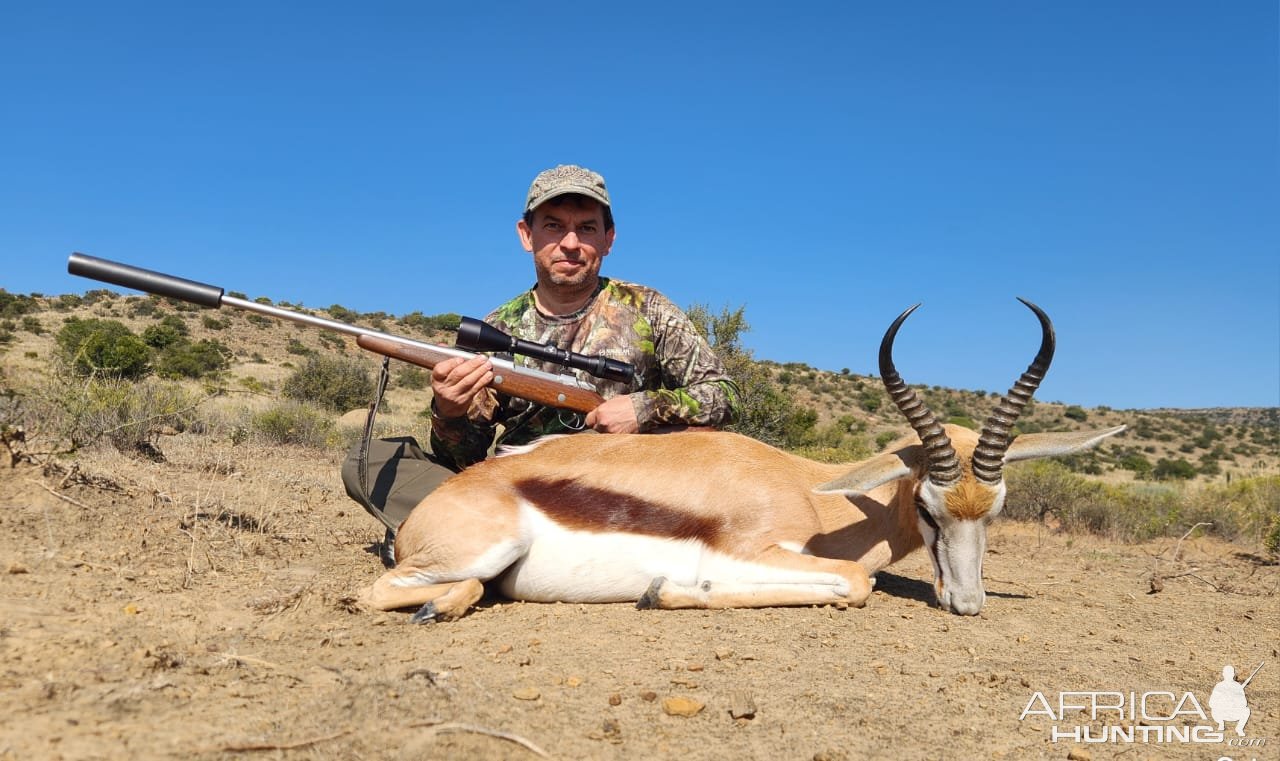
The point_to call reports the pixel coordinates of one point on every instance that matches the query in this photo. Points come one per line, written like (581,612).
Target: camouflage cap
(564,179)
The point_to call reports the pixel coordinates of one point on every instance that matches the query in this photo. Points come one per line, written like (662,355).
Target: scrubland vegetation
(104,370)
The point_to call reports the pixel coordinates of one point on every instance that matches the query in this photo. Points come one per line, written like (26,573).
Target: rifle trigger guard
(576,421)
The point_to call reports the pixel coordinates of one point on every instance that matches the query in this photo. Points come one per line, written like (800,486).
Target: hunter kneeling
(568,227)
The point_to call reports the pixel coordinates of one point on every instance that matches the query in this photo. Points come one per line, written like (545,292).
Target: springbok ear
(1029,446)
(868,474)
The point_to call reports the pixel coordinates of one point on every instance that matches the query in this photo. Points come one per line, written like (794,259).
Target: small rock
(573,681)
(742,705)
(17,568)
(1079,754)
(648,696)
(615,699)
(526,693)
(679,706)
(724,653)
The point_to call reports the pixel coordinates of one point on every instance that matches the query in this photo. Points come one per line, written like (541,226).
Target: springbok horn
(944,468)
(988,457)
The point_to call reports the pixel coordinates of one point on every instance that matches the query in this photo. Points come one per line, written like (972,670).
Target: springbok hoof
(649,600)
(426,614)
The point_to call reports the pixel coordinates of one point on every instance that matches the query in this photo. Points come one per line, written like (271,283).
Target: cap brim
(578,190)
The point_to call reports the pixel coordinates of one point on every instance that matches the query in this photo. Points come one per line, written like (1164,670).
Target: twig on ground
(1177,549)
(248,659)
(62,497)
(453,726)
(246,747)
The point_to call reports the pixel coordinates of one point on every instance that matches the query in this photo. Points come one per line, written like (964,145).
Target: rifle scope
(475,335)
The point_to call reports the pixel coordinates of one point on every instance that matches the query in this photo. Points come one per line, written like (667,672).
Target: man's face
(567,241)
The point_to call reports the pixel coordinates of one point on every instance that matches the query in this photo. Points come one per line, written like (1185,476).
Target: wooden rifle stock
(534,385)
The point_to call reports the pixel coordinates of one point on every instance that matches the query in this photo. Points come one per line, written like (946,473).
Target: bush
(335,383)
(193,360)
(767,412)
(413,377)
(1077,413)
(32,325)
(295,423)
(75,413)
(14,305)
(104,347)
(436,323)
(161,336)
(1174,469)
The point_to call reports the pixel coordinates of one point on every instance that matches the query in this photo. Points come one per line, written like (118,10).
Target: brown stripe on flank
(587,508)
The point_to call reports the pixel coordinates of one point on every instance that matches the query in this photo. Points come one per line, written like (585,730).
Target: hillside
(1205,445)
(190,591)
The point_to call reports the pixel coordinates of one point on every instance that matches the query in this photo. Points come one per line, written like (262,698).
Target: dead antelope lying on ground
(719,520)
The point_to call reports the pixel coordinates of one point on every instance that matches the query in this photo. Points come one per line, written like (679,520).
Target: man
(568,228)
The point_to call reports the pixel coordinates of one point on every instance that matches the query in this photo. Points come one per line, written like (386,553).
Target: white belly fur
(582,566)
(567,565)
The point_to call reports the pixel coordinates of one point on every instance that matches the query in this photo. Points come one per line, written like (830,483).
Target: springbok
(718,520)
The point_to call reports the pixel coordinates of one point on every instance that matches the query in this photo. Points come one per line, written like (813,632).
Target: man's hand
(617,415)
(455,382)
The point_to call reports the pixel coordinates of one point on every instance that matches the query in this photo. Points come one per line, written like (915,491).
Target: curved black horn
(944,468)
(988,457)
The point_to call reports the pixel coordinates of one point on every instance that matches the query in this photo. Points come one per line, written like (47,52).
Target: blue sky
(824,166)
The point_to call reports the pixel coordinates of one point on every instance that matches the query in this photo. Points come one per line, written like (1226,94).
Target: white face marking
(956,547)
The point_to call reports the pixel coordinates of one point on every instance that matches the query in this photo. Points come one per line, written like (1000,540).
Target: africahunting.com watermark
(1156,716)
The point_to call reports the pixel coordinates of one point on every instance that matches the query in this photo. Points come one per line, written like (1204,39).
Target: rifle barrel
(214,297)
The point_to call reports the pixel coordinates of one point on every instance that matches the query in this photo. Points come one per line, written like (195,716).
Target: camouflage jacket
(679,379)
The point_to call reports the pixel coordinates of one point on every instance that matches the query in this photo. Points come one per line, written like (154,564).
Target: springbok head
(959,475)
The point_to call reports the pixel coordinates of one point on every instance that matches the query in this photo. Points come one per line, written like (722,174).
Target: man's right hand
(455,382)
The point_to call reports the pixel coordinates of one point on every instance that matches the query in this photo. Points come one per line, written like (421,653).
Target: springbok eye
(926,516)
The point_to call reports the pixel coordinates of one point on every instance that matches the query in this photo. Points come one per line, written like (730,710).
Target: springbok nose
(967,603)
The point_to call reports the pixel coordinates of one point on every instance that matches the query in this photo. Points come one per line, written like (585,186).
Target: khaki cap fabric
(564,179)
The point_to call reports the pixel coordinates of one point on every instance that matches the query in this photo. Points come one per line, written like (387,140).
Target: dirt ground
(200,608)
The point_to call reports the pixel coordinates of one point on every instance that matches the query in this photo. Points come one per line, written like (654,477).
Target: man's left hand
(616,415)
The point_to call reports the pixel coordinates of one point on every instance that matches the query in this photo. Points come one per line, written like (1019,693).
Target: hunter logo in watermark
(1158,716)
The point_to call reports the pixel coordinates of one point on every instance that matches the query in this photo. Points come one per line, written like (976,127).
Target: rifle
(562,391)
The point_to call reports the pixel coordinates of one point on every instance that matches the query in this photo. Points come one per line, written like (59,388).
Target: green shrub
(161,336)
(870,399)
(213,323)
(13,305)
(297,347)
(1076,412)
(440,322)
(1173,469)
(1135,462)
(32,325)
(104,347)
(342,314)
(335,383)
(295,423)
(193,360)
(413,377)
(333,340)
(768,412)
(75,413)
